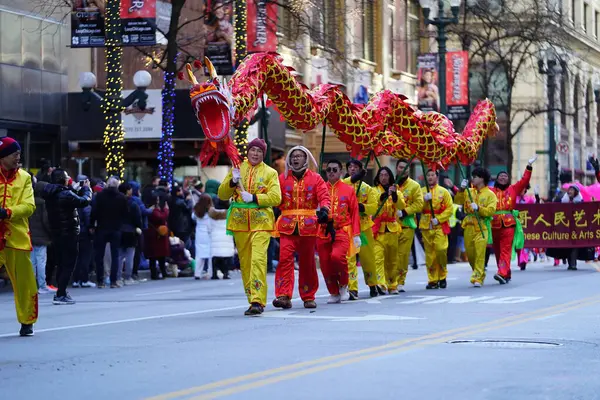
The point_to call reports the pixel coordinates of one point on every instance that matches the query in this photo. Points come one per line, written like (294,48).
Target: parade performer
(304,204)
(340,237)
(255,191)
(386,228)
(479,205)
(367,199)
(17,205)
(435,229)
(413,197)
(507,232)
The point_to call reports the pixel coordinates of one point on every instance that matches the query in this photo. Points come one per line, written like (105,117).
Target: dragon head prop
(213,105)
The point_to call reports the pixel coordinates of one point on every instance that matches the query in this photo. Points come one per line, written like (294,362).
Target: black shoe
(380,290)
(415,266)
(373,291)
(523,266)
(353,294)
(443,284)
(254,309)
(226,277)
(432,286)
(500,279)
(572,268)
(26,330)
(214,278)
(63,300)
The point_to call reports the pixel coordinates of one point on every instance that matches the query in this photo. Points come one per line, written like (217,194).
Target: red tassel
(197,64)
(209,154)
(232,152)
(180,76)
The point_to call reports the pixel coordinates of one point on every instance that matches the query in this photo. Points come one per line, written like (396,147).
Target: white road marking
(467,299)
(333,318)
(153,293)
(549,316)
(511,300)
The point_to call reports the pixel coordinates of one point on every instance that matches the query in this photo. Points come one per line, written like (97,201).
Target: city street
(535,338)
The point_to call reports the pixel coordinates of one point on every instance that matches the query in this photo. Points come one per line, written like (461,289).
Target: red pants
(503,242)
(308,280)
(334,261)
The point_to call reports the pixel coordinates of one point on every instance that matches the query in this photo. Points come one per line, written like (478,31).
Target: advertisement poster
(261,26)
(218,19)
(137,17)
(558,225)
(87,23)
(428,93)
(457,84)
(147,123)
(138,22)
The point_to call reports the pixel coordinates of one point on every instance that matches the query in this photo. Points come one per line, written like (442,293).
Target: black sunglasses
(332,169)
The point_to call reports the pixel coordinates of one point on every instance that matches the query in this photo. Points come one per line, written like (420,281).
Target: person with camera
(62,203)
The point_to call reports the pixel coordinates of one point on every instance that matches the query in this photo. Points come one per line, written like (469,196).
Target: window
(368,27)
(585,16)
(392,33)
(325,24)
(413,40)
(596,17)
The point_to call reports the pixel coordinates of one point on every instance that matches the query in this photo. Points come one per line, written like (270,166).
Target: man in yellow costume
(17,204)
(413,197)
(479,208)
(367,206)
(435,229)
(255,191)
(386,228)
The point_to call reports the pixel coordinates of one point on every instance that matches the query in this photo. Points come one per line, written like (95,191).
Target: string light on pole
(165,151)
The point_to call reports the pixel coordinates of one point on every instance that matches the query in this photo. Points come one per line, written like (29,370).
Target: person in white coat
(221,244)
(203,248)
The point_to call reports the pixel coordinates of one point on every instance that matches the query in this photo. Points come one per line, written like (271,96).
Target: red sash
(445,225)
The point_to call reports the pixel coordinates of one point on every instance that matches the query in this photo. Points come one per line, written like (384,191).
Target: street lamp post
(114,142)
(552,67)
(440,21)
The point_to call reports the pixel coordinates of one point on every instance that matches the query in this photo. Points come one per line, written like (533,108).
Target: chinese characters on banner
(457,84)
(559,225)
(428,93)
(138,23)
(218,18)
(261,26)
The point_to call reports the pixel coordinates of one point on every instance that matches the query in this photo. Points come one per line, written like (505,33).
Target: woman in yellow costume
(255,191)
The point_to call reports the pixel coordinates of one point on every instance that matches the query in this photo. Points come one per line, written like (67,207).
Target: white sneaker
(44,290)
(129,282)
(401,289)
(334,299)
(477,284)
(344,294)
(75,284)
(393,291)
(88,284)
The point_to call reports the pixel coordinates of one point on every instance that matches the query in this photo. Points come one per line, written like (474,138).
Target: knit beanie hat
(8,146)
(261,144)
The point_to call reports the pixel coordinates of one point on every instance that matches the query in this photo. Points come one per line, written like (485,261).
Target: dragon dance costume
(435,237)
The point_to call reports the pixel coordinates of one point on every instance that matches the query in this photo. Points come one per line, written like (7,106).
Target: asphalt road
(535,338)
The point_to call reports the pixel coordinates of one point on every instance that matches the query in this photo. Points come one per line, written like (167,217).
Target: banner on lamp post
(146,123)
(457,84)
(218,18)
(428,93)
(138,22)
(261,26)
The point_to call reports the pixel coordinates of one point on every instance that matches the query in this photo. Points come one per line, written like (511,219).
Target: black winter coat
(109,210)
(62,204)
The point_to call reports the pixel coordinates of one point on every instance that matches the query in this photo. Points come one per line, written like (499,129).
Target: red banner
(560,225)
(261,26)
(457,87)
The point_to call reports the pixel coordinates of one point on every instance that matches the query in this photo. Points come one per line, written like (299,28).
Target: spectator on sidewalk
(156,239)
(130,231)
(109,210)
(145,212)
(40,237)
(180,215)
(148,192)
(221,244)
(62,203)
(81,278)
(203,247)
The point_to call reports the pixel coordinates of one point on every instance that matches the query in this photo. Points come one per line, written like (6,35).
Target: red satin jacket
(299,201)
(507,200)
(344,208)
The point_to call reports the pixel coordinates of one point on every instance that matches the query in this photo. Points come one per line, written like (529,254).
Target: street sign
(562,147)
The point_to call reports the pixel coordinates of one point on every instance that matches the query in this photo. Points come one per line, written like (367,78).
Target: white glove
(399,213)
(435,222)
(427,196)
(235,175)
(138,231)
(474,206)
(356,241)
(532,160)
(536,189)
(247,197)
(464,184)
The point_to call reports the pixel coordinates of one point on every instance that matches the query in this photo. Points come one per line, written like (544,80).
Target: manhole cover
(513,344)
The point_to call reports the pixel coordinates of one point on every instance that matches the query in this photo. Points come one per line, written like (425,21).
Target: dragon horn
(190,73)
(211,69)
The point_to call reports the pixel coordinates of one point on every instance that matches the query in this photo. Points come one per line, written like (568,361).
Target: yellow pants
(367,262)
(475,245)
(20,271)
(252,251)
(388,244)
(405,241)
(435,244)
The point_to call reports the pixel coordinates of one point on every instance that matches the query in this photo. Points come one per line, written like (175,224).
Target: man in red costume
(504,222)
(304,204)
(341,237)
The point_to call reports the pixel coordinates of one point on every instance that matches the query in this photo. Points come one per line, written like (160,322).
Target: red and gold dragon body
(387,124)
